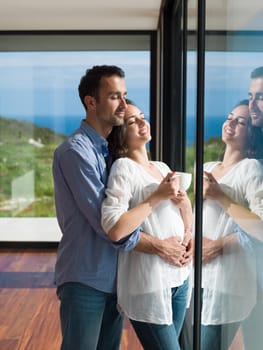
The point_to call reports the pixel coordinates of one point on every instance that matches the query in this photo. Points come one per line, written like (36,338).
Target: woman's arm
(245,218)
(185,206)
(130,219)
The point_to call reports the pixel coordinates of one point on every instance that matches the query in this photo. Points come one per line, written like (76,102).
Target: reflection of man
(256,97)
(252,326)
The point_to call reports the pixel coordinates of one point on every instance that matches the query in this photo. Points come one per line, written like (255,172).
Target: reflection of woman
(233,191)
(151,292)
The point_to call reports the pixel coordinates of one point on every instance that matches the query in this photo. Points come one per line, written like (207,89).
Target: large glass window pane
(233,185)
(229,260)
(232,294)
(39,107)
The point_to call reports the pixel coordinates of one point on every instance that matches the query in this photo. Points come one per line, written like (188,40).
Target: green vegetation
(26,153)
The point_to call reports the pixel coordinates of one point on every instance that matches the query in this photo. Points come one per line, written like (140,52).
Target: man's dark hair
(256,73)
(244,102)
(90,82)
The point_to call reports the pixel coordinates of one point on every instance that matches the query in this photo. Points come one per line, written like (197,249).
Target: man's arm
(170,249)
(212,248)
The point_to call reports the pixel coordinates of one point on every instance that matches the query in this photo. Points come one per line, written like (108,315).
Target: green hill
(26,153)
(12,130)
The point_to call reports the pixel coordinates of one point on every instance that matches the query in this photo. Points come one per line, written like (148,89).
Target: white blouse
(144,280)
(229,281)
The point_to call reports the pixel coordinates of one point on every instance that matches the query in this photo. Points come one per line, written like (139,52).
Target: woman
(151,292)
(233,190)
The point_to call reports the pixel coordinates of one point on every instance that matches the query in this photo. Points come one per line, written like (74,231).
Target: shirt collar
(100,143)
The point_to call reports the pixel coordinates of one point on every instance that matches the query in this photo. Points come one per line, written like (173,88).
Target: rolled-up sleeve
(118,195)
(116,202)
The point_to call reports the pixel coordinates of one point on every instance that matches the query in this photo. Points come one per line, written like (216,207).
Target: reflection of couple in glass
(232,213)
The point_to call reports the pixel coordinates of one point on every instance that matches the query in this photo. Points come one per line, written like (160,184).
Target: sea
(66,125)
(212,128)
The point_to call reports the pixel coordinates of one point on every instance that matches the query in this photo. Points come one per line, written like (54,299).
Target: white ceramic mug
(185,179)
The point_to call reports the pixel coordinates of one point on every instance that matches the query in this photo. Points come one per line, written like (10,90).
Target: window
(39,107)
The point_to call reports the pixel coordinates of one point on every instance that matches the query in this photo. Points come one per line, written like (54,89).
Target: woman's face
(235,128)
(137,127)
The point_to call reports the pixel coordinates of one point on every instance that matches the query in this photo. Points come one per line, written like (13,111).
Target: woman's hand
(188,244)
(184,203)
(168,188)
(172,251)
(211,188)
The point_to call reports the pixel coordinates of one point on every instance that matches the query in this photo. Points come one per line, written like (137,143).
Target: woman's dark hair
(90,82)
(255,149)
(116,139)
(255,145)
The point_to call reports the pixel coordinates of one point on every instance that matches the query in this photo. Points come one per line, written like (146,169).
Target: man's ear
(90,102)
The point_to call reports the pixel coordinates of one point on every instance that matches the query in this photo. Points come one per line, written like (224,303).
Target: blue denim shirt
(85,252)
(254,247)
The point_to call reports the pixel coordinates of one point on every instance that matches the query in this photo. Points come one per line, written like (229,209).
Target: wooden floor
(29,316)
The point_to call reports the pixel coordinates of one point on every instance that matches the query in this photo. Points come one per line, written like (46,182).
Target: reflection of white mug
(185,179)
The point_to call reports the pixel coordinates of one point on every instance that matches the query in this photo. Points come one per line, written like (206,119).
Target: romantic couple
(127,244)
(131,251)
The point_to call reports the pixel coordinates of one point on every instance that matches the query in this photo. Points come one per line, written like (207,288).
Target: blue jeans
(89,318)
(165,337)
(252,326)
(218,337)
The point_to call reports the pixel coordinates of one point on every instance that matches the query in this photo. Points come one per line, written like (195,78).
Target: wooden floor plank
(29,308)
(8,344)
(43,331)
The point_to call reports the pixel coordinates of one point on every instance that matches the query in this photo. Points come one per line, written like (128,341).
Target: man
(252,329)
(86,266)
(256,97)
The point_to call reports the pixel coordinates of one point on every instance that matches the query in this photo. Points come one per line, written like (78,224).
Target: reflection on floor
(29,318)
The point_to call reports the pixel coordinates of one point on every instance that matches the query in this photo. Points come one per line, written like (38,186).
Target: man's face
(110,103)
(256,101)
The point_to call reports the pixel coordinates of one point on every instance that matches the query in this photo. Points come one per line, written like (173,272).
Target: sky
(227,76)
(46,83)
(43,85)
